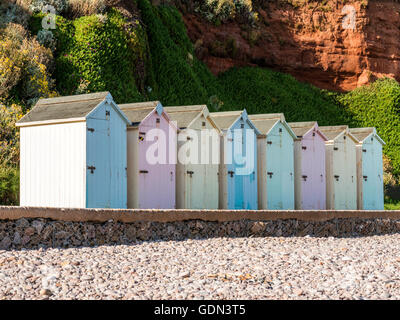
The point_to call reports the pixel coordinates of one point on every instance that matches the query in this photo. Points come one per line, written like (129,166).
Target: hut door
(275,158)
(307,176)
(98,171)
(148,180)
(368,178)
(239,178)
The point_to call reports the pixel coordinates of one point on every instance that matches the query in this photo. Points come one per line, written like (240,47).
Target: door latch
(91,168)
(90,129)
(270,174)
(190,173)
(143,171)
(304,147)
(365,178)
(231,173)
(337,178)
(304,178)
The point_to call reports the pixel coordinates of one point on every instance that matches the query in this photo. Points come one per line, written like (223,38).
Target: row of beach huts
(85,151)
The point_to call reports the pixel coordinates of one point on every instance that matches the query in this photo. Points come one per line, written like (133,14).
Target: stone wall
(32,233)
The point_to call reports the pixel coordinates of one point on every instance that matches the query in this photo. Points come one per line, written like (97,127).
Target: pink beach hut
(309,166)
(151,156)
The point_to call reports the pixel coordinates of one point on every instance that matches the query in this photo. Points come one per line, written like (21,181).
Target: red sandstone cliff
(307,41)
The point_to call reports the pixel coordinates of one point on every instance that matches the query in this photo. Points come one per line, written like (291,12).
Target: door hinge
(91,168)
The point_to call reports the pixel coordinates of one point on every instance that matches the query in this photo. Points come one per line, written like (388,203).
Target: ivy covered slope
(142,52)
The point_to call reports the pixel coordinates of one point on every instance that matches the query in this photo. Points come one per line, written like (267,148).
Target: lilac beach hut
(309,166)
(151,173)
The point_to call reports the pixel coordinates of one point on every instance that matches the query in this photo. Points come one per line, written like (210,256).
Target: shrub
(25,64)
(9,185)
(180,80)
(13,11)
(79,8)
(9,134)
(46,39)
(97,52)
(378,105)
(39,5)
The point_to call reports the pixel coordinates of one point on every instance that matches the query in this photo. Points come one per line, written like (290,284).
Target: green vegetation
(378,105)
(93,51)
(96,48)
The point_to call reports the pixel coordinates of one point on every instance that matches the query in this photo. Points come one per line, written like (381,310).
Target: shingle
(63,108)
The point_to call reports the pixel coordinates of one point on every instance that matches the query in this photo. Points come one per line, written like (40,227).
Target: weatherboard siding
(53,165)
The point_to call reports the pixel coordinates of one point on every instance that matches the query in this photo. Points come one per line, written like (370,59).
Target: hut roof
(185,115)
(137,112)
(363,133)
(63,109)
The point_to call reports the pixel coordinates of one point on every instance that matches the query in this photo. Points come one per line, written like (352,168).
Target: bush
(24,65)
(9,134)
(13,11)
(264,91)
(181,79)
(9,185)
(46,39)
(39,5)
(378,105)
(79,8)
(98,52)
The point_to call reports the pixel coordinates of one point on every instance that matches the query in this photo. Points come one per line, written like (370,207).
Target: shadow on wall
(43,233)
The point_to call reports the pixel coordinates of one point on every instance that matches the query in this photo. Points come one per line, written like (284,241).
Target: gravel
(215,268)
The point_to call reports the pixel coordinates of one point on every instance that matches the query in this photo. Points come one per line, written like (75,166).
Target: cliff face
(307,40)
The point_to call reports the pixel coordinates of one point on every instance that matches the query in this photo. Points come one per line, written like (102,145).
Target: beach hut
(238,164)
(275,162)
(309,166)
(341,170)
(369,169)
(151,140)
(198,157)
(73,153)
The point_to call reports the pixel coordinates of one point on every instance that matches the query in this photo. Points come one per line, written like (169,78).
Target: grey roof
(331,132)
(136,112)
(63,108)
(265,125)
(362,133)
(264,116)
(226,119)
(184,115)
(301,128)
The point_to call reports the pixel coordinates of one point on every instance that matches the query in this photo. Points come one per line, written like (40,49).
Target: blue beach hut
(238,167)
(275,162)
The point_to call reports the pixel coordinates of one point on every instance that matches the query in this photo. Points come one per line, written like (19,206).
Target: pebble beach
(214,268)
